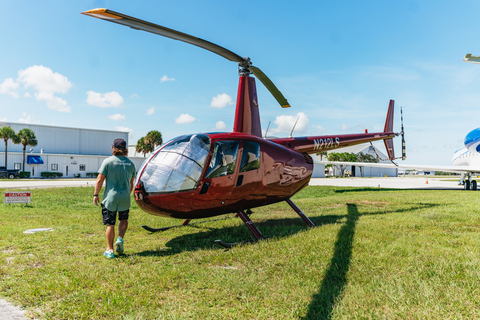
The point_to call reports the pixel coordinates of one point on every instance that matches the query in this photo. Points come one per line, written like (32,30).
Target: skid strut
(300,213)
(258,235)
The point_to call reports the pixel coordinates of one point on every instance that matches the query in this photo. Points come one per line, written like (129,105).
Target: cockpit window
(250,157)
(177,166)
(223,160)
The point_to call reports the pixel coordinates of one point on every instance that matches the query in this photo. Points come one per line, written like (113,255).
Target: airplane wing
(472,59)
(453,169)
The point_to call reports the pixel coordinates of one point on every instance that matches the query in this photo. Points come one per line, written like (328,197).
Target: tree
(152,140)
(321,154)
(6,133)
(365,157)
(141,147)
(344,157)
(27,138)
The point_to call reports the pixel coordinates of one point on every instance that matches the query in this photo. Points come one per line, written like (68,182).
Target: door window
(223,160)
(250,157)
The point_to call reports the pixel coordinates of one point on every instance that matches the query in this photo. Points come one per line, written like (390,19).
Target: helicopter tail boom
(318,144)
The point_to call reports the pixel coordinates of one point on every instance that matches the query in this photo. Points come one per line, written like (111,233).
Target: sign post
(18,197)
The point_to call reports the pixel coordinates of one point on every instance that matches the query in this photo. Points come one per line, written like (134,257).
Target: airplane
(465,161)
(471,59)
(210,174)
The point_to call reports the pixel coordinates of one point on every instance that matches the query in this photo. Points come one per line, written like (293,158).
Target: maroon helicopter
(210,174)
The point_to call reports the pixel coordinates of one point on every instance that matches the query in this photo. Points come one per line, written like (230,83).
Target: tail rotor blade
(270,86)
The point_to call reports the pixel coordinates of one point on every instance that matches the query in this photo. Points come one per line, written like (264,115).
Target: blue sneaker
(119,245)
(109,254)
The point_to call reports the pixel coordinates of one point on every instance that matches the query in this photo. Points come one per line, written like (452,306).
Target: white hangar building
(74,152)
(365,171)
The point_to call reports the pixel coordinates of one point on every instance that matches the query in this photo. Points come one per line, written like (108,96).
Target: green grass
(376,254)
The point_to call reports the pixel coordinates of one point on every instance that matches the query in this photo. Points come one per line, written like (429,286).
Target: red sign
(17,197)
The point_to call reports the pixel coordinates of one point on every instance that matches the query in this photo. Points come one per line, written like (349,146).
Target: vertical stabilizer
(389,128)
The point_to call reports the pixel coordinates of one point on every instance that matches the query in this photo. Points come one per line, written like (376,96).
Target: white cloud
(125,129)
(104,100)
(319,129)
(165,78)
(135,96)
(221,101)
(9,86)
(3,119)
(184,119)
(150,111)
(116,117)
(27,118)
(286,123)
(220,125)
(46,83)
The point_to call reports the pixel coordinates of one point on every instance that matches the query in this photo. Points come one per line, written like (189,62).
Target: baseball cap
(119,144)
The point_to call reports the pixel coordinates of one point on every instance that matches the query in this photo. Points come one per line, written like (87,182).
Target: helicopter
(210,174)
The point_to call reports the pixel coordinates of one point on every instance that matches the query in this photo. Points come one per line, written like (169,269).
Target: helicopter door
(220,175)
(249,189)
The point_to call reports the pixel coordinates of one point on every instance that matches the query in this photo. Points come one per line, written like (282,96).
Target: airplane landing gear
(469,184)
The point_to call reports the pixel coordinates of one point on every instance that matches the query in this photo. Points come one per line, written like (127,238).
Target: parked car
(4,173)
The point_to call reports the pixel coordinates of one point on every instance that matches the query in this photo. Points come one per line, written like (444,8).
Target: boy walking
(118,172)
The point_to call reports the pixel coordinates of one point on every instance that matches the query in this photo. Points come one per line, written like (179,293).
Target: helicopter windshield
(177,166)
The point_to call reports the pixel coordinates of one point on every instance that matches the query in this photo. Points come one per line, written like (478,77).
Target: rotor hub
(245,67)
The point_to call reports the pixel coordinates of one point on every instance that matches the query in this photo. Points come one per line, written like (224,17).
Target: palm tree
(141,147)
(6,133)
(27,138)
(153,139)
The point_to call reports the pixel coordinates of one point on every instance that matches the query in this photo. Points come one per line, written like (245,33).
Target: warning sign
(17,197)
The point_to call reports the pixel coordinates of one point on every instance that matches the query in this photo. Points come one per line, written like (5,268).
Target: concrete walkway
(9,312)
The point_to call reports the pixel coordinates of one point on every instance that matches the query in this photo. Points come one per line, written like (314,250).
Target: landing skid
(258,235)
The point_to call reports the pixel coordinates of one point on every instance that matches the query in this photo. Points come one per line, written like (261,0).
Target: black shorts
(110,217)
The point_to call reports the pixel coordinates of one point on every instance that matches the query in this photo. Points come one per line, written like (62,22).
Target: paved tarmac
(7,311)
(45,183)
(416,182)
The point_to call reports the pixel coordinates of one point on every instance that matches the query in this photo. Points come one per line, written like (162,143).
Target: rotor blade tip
(101,13)
(286,106)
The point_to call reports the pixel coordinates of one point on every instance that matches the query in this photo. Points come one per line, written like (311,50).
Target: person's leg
(109,218)
(122,228)
(110,233)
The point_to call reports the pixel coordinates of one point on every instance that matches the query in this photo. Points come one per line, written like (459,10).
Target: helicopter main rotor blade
(270,86)
(138,24)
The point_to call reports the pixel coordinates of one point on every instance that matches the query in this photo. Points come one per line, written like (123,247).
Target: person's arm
(98,187)
(131,184)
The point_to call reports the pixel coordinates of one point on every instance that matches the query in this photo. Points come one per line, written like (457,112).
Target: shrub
(24,174)
(92,174)
(51,175)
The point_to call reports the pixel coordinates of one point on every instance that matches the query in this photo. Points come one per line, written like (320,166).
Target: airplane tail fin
(389,128)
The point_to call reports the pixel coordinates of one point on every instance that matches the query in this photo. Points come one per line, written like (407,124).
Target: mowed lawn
(375,254)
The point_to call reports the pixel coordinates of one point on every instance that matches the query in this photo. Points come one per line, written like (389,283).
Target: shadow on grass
(273,228)
(335,281)
(279,228)
(336,276)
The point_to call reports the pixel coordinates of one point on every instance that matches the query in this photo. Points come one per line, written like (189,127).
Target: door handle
(239,180)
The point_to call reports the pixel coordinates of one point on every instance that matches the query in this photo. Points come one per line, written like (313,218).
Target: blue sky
(337,62)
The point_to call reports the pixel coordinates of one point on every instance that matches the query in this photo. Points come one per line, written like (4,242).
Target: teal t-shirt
(118,172)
